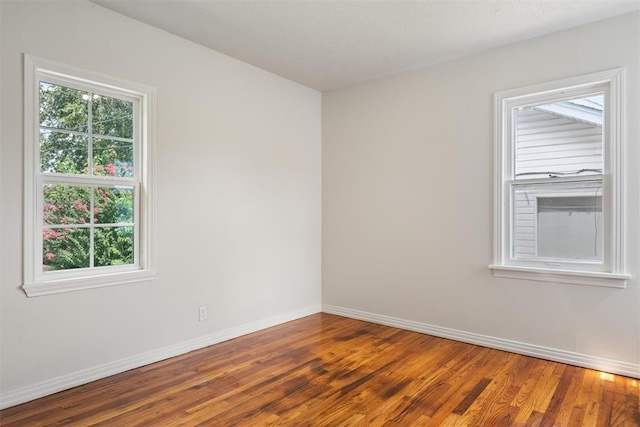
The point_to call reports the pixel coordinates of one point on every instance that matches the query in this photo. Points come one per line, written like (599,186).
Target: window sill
(589,278)
(81,283)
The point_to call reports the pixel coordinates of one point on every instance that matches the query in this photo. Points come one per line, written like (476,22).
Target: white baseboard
(556,355)
(85,376)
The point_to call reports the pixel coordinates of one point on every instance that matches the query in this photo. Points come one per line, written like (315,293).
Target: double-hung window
(88,213)
(558,182)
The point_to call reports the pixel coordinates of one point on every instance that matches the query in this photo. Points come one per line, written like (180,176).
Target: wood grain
(325,370)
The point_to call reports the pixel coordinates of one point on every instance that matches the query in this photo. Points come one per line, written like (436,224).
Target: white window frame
(611,272)
(36,281)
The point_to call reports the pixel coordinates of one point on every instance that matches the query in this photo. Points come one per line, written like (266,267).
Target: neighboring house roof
(586,110)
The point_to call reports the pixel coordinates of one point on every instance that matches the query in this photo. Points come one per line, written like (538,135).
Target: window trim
(613,178)
(36,284)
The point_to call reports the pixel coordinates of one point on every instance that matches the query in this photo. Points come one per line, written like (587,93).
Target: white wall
(407,200)
(238,198)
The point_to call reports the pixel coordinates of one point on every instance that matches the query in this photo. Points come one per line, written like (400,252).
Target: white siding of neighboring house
(525,226)
(548,143)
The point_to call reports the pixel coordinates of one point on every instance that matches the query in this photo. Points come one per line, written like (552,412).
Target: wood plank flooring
(325,370)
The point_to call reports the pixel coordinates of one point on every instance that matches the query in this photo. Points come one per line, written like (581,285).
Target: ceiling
(330,44)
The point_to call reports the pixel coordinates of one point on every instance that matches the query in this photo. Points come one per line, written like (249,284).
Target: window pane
(113,205)
(113,246)
(563,138)
(113,158)
(570,227)
(112,116)
(66,204)
(63,153)
(558,221)
(65,248)
(63,108)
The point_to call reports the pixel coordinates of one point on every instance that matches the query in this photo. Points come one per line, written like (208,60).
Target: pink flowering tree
(69,247)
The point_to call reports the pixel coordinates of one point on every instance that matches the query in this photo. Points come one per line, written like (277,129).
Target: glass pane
(570,227)
(63,108)
(558,222)
(63,153)
(113,205)
(112,116)
(65,248)
(562,138)
(113,158)
(113,246)
(66,204)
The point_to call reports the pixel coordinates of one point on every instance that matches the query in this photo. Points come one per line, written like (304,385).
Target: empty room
(320,213)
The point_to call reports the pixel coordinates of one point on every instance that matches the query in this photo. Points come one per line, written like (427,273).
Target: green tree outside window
(86,134)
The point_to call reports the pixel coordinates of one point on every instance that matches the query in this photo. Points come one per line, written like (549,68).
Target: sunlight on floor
(607,377)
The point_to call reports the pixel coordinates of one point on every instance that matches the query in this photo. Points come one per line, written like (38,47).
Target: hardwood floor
(325,370)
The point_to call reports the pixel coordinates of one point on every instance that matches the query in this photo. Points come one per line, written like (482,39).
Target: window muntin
(566,175)
(88,179)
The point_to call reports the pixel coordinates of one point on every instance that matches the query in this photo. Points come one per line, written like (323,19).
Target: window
(558,182)
(88,179)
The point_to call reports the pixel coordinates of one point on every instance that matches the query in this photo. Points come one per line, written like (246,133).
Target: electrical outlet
(203,312)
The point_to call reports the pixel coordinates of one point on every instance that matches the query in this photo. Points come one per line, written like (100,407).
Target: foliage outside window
(558,213)
(87,166)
